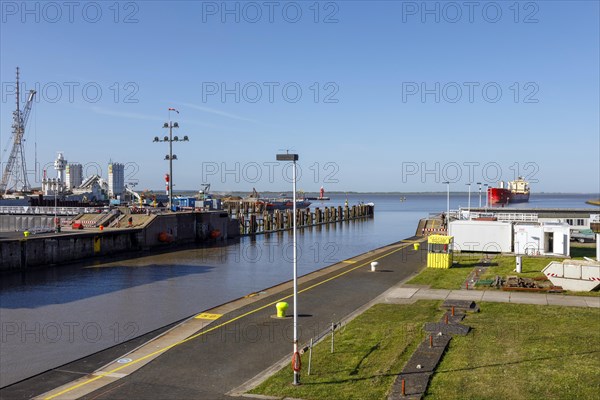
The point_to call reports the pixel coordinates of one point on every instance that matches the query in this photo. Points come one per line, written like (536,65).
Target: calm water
(53,316)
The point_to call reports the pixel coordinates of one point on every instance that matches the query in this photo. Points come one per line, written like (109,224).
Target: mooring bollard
(281,307)
(374,265)
(403,388)
(416,246)
(430,341)
(446,319)
(453,311)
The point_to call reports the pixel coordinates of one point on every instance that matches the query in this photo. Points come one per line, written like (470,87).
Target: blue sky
(395,96)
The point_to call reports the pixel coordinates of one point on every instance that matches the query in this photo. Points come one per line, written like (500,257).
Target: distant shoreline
(333,192)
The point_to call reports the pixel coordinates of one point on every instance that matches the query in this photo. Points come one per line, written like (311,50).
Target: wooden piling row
(263,221)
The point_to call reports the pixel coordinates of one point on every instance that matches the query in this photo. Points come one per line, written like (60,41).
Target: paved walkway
(224,351)
(407,294)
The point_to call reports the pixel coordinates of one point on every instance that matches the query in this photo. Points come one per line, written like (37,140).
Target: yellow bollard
(26,233)
(416,246)
(282,306)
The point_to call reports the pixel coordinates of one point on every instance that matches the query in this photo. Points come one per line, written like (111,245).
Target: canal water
(52,316)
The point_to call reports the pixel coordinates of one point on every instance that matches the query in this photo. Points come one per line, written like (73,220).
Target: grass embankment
(514,351)
(369,353)
(520,351)
(503,266)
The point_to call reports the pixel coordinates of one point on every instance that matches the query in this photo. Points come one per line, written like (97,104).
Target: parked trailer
(482,236)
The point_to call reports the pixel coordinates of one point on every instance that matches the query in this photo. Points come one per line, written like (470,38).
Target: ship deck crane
(15,171)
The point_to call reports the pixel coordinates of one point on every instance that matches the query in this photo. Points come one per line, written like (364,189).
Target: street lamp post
(487,195)
(296,354)
(479,183)
(469,201)
(447,183)
(170,139)
(55,214)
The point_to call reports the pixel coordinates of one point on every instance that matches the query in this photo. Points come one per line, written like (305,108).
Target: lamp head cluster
(171,125)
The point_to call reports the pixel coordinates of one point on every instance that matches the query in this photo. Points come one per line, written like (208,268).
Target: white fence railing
(45,210)
(500,216)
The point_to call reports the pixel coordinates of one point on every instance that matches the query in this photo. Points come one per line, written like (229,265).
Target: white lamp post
(170,139)
(469,201)
(479,183)
(296,354)
(487,195)
(447,183)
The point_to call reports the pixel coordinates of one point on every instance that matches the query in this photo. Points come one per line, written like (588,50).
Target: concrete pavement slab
(440,294)
(474,295)
(528,298)
(592,301)
(560,300)
(496,296)
(400,293)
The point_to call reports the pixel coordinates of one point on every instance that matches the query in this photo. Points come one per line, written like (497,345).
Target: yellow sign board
(208,316)
(440,239)
(97,244)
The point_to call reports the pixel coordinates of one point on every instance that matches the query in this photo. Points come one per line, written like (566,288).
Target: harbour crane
(15,171)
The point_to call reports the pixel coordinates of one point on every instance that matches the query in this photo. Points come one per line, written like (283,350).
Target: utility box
(439,251)
(540,239)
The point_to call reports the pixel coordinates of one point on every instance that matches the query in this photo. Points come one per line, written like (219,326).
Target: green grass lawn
(500,265)
(369,353)
(519,351)
(448,278)
(514,351)
(505,265)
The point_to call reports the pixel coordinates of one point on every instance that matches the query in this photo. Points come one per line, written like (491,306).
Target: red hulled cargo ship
(517,191)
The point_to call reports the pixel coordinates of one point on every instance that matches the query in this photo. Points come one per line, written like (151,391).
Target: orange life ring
(296,362)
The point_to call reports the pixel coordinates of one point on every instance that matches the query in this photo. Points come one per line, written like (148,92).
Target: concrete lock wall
(44,251)
(55,249)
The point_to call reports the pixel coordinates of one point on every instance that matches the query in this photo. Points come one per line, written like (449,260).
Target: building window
(570,221)
(580,222)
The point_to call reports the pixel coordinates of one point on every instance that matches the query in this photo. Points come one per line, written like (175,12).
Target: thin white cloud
(113,113)
(218,112)
(145,117)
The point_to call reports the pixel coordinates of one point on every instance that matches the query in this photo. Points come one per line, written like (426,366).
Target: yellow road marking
(218,326)
(349,262)
(205,315)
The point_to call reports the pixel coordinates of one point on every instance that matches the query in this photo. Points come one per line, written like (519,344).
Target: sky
(373,95)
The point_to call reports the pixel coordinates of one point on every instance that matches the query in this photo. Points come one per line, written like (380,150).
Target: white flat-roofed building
(74,175)
(116,179)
